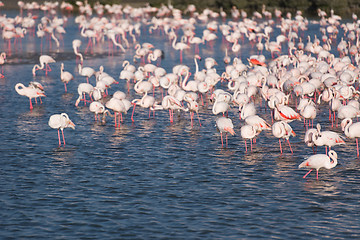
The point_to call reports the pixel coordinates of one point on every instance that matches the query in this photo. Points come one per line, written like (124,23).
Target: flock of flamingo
(302,75)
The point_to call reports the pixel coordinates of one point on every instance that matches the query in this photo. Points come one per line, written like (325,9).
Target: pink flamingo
(351,130)
(318,161)
(44,62)
(59,122)
(29,92)
(226,126)
(282,129)
(65,76)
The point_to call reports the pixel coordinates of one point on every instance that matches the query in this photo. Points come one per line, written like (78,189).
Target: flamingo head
(71,124)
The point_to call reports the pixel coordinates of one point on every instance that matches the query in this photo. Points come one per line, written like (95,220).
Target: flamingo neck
(185,78)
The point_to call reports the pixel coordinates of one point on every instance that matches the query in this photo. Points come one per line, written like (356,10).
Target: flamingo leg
(290,146)
(171,116)
(280,145)
(191,118)
(357,147)
(226,138)
(198,118)
(251,145)
(317,174)
(65,87)
(115,119)
(221,137)
(132,115)
(245,146)
(31,106)
(62,132)
(307,173)
(59,137)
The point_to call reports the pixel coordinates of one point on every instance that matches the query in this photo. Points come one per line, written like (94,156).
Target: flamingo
(258,122)
(171,103)
(193,106)
(2,61)
(59,122)
(76,43)
(309,137)
(351,130)
(246,110)
(65,76)
(318,161)
(86,72)
(326,138)
(249,132)
(225,125)
(97,108)
(146,102)
(179,46)
(44,62)
(286,113)
(84,88)
(282,129)
(220,107)
(29,92)
(118,107)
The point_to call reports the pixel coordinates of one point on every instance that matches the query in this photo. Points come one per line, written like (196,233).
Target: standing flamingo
(76,45)
(2,61)
(249,132)
(29,92)
(225,125)
(318,161)
(86,72)
(179,46)
(282,129)
(59,122)
(65,76)
(326,138)
(44,62)
(84,88)
(351,130)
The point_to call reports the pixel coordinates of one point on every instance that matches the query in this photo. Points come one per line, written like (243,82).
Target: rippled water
(153,179)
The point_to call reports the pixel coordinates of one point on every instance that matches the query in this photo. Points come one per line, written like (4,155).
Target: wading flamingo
(44,62)
(65,76)
(29,92)
(351,130)
(226,126)
(318,161)
(59,122)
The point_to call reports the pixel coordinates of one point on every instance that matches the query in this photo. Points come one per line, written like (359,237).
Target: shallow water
(153,178)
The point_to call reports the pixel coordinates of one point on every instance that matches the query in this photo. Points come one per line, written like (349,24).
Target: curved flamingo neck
(186,78)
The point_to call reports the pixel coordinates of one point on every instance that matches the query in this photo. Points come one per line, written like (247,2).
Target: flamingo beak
(41,94)
(72,125)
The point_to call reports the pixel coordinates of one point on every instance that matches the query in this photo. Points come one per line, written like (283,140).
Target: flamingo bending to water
(44,62)
(226,126)
(59,122)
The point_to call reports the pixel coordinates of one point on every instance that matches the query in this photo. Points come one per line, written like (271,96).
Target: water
(153,178)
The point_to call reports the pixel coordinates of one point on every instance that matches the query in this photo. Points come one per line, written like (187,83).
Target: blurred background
(309,8)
